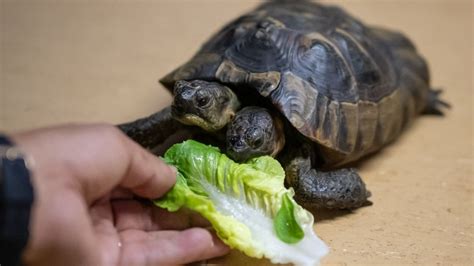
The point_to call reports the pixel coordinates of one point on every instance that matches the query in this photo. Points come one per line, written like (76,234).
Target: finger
(147,175)
(131,214)
(133,236)
(121,194)
(170,247)
(106,235)
(95,159)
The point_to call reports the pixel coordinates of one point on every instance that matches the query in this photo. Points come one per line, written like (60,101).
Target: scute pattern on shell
(349,87)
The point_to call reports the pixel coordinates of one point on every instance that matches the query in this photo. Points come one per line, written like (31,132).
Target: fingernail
(174,170)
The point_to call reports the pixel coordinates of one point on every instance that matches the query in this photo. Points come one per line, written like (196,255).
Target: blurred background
(99,61)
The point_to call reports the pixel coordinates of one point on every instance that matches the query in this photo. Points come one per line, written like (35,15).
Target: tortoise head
(254,132)
(209,105)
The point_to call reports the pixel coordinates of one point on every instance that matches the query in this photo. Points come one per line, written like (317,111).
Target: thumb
(147,175)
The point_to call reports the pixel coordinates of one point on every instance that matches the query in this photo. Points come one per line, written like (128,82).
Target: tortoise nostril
(178,99)
(179,104)
(233,141)
(236,144)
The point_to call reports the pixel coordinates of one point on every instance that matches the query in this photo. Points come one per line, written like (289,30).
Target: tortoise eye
(255,137)
(257,142)
(202,98)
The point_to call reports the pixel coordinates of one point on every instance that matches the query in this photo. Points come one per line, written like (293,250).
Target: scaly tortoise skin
(347,89)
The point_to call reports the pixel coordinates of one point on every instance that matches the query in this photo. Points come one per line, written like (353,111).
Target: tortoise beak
(237,156)
(237,149)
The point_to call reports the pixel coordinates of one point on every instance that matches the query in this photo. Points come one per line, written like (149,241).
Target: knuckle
(108,130)
(112,137)
(111,132)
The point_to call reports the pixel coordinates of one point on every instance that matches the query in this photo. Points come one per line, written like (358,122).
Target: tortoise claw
(435,105)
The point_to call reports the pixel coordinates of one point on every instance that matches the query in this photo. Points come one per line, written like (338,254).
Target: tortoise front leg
(155,129)
(338,189)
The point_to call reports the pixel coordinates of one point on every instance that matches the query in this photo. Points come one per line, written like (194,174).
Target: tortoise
(304,82)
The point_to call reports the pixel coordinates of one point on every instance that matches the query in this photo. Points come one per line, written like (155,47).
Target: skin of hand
(86,180)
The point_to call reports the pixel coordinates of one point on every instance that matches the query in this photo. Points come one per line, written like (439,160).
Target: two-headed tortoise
(304,82)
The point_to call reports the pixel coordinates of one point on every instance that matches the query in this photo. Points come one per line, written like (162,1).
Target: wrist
(59,211)
(16,199)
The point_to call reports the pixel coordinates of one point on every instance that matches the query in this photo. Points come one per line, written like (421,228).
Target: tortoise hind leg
(338,189)
(435,105)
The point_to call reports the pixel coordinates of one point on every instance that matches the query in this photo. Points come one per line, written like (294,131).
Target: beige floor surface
(84,61)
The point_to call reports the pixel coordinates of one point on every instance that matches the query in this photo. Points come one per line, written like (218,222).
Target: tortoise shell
(349,87)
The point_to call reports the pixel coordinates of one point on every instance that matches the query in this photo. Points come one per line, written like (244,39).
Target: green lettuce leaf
(247,204)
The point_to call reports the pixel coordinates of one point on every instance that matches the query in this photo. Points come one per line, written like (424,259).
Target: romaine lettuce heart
(247,204)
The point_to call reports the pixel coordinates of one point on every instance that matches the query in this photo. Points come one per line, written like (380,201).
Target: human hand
(85,213)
